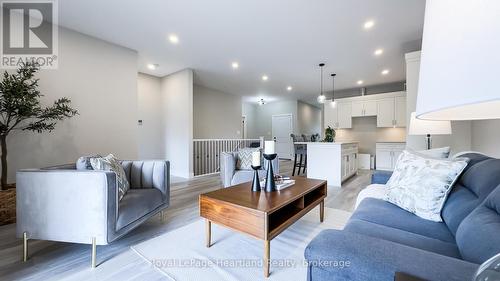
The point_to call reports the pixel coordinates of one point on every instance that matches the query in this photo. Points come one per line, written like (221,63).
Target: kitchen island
(331,161)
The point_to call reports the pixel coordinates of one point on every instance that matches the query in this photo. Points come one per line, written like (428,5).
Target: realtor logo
(29,33)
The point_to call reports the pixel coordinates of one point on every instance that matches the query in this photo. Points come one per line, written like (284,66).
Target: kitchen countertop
(327,143)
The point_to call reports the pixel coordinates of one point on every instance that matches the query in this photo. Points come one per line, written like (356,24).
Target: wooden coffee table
(261,215)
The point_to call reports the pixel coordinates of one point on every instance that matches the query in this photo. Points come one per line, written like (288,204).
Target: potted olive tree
(21,109)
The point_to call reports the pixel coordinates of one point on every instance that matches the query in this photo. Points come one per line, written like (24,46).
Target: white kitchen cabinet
(344,115)
(364,108)
(387,155)
(338,117)
(400,112)
(331,116)
(391,112)
(385,112)
(389,108)
(349,160)
(332,161)
(370,108)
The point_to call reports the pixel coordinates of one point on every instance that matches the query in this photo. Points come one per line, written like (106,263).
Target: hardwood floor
(65,261)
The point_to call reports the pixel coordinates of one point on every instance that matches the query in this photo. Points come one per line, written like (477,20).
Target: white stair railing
(206,153)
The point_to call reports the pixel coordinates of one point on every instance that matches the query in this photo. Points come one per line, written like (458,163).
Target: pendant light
(333,103)
(321,97)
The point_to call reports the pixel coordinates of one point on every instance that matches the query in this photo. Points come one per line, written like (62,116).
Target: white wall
(150,134)
(249,110)
(486,137)
(308,119)
(460,140)
(364,130)
(177,112)
(264,113)
(216,114)
(101,80)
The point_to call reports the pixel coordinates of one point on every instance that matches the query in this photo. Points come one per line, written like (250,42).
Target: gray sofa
(381,239)
(81,206)
(232,176)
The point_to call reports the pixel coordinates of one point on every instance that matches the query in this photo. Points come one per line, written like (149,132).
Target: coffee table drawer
(239,218)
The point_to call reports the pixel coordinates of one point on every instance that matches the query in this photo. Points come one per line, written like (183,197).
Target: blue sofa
(381,239)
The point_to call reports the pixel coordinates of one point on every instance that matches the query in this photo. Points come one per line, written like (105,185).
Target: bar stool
(301,151)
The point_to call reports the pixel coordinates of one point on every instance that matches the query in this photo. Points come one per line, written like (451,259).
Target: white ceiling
(284,39)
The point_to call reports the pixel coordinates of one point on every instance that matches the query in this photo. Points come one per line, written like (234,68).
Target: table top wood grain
(267,202)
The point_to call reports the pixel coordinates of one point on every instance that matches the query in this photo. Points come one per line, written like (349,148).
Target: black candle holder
(256,179)
(270,184)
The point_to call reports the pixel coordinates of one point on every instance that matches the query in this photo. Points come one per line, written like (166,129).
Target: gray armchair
(232,176)
(81,206)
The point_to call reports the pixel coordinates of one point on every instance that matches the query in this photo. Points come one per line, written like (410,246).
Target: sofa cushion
(384,213)
(137,203)
(381,177)
(479,178)
(241,176)
(376,259)
(403,237)
(442,152)
(478,236)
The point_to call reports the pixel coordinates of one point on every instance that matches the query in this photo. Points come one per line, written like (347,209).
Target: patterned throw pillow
(421,185)
(245,158)
(83,163)
(110,163)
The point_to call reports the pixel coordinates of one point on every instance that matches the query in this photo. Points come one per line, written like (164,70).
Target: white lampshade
(428,127)
(460,61)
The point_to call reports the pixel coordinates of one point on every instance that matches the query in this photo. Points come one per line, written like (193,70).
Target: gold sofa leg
(25,246)
(93,252)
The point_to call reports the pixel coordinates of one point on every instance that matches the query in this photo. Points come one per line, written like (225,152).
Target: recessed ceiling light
(378,52)
(173,39)
(369,24)
(235,65)
(359,82)
(152,66)
(264,77)
(385,72)
(289,88)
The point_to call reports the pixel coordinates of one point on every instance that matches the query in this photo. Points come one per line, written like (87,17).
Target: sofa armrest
(381,177)
(66,205)
(227,168)
(375,259)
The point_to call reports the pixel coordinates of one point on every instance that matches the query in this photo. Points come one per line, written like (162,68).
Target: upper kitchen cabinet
(385,112)
(338,117)
(331,117)
(364,108)
(389,108)
(391,112)
(345,115)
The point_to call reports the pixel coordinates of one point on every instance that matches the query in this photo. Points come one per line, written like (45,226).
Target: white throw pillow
(442,152)
(421,185)
(110,163)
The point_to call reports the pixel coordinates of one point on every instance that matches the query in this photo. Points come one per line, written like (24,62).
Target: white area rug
(181,254)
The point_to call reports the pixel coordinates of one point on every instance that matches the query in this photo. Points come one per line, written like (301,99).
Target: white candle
(269,147)
(256,158)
